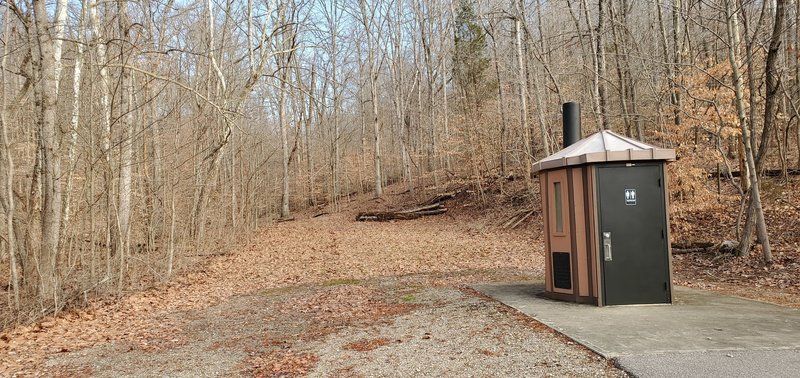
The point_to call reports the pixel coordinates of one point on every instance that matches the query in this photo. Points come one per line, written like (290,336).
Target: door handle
(607,246)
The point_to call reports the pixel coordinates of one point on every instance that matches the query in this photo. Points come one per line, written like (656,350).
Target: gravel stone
(425,331)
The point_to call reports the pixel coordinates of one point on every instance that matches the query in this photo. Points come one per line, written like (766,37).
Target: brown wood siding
(576,268)
(543,185)
(558,241)
(579,214)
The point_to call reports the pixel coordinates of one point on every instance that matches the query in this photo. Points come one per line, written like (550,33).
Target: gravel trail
(322,296)
(411,326)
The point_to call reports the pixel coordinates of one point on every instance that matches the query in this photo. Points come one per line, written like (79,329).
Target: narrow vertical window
(559,207)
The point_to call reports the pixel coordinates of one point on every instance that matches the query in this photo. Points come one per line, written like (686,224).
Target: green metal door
(633,233)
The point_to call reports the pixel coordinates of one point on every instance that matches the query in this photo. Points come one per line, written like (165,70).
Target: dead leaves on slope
(748,276)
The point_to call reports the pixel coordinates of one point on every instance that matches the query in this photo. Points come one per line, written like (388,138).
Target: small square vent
(562,274)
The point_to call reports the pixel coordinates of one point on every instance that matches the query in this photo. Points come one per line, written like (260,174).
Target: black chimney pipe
(572,123)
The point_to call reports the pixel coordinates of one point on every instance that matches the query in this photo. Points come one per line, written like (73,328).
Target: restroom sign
(630,196)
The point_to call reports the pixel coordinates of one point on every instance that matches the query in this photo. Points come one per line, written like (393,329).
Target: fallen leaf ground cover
(711,218)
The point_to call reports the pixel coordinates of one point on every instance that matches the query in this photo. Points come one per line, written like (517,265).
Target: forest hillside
(140,140)
(327,294)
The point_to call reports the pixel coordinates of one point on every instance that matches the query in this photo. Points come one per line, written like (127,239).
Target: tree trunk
(773,84)
(284,145)
(755,209)
(523,99)
(501,104)
(797,71)
(105,108)
(74,120)
(373,81)
(447,162)
(598,62)
(677,38)
(59,25)
(619,57)
(424,22)
(306,108)
(333,23)
(399,97)
(204,178)
(126,146)
(601,64)
(49,287)
(7,163)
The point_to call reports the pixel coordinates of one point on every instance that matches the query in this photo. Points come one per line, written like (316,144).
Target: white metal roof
(604,146)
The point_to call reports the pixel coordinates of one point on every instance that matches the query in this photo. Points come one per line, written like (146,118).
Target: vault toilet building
(606,218)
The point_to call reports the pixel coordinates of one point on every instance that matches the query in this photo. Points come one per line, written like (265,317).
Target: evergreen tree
(470,60)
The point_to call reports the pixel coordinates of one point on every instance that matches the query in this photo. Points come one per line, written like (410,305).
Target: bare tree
(333,18)
(72,157)
(501,103)
(399,99)
(105,109)
(126,146)
(772,83)
(46,92)
(7,162)
(523,93)
(286,49)
(756,209)
(368,21)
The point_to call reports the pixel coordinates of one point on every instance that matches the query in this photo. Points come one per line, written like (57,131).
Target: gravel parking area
(411,326)
(455,333)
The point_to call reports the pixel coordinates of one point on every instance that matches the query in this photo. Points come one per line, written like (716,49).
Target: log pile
(765,173)
(517,218)
(433,206)
(727,246)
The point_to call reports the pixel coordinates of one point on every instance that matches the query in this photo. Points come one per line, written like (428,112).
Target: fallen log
(430,212)
(766,173)
(692,245)
(521,219)
(727,246)
(424,209)
(685,251)
(439,198)
(518,217)
(436,205)
(386,216)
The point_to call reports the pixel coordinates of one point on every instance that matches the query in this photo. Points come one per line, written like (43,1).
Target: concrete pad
(699,329)
(745,364)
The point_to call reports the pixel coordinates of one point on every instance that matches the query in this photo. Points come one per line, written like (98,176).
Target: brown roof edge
(654,154)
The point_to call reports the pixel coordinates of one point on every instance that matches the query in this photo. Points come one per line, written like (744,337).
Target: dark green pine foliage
(470,60)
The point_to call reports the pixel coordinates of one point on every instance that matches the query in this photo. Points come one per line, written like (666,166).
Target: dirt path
(322,296)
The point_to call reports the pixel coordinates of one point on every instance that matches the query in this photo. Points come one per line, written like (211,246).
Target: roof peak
(603,146)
